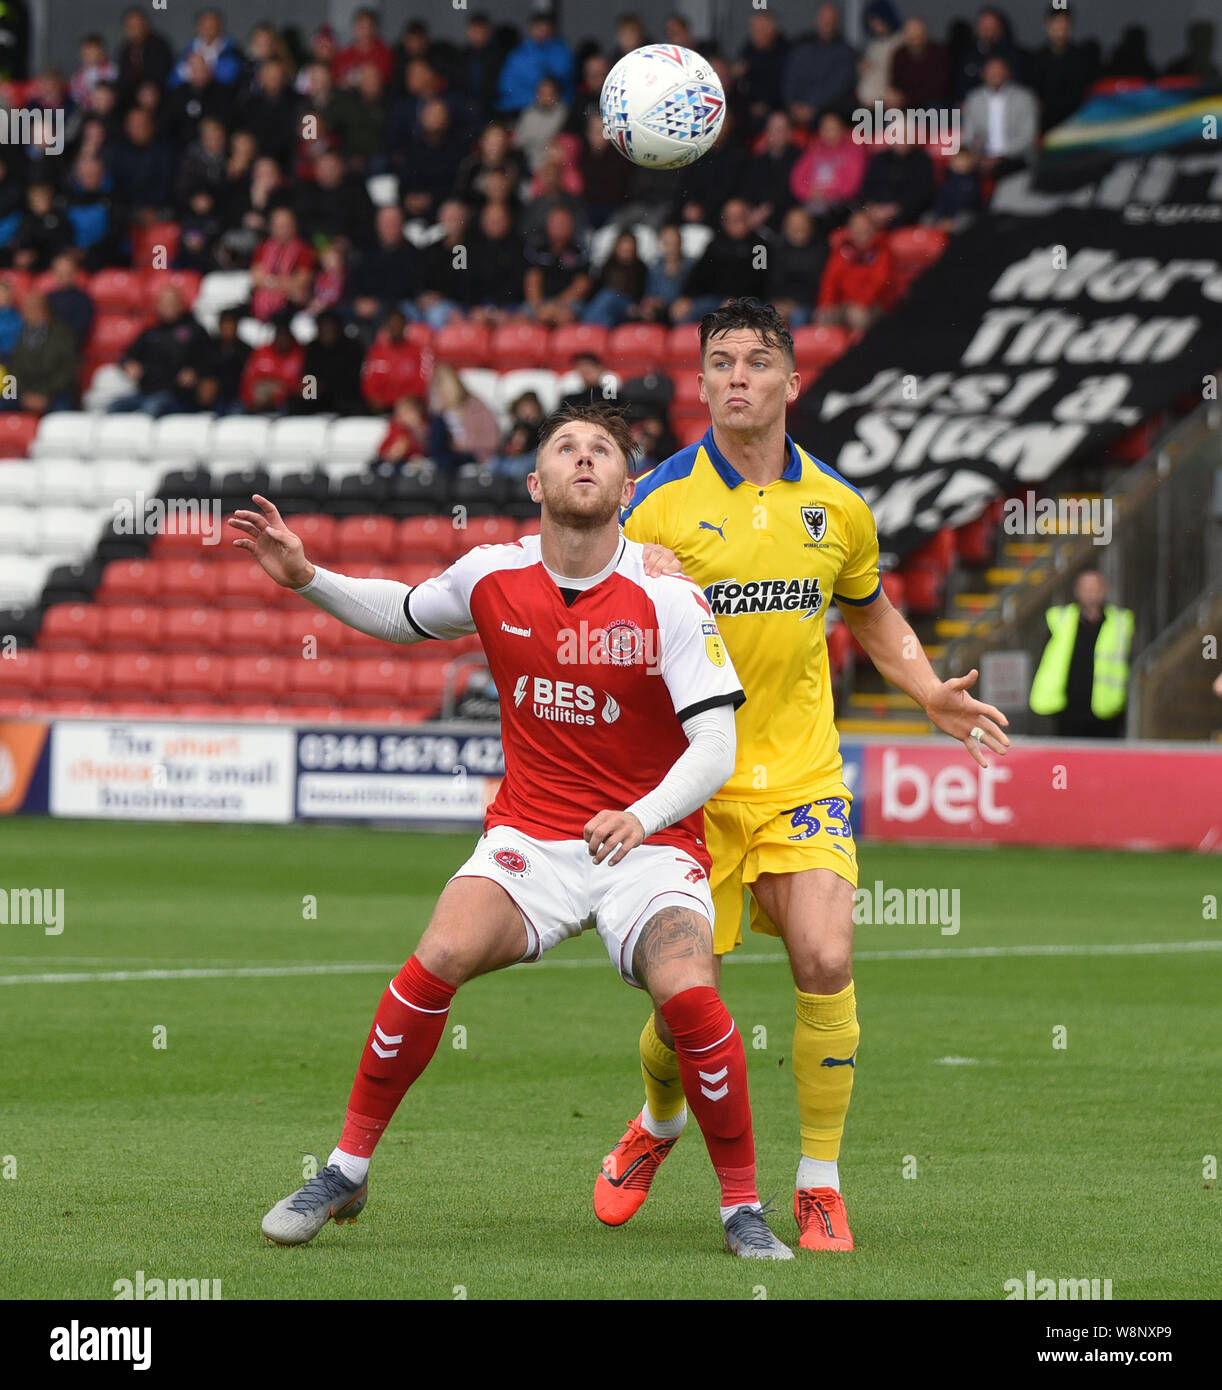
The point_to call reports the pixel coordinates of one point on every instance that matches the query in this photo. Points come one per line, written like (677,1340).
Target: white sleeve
(695,664)
(374,606)
(698,773)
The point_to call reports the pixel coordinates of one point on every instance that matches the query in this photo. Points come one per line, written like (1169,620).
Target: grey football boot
(328,1196)
(750,1237)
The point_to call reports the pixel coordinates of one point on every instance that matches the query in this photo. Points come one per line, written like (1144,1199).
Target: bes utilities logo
(562,702)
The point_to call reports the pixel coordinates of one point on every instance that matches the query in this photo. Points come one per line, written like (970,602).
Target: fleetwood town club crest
(623,642)
(815,521)
(512,862)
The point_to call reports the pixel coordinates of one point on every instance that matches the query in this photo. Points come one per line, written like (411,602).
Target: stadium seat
(182,438)
(915,249)
(689,423)
(246,585)
(924,587)
(17,528)
(250,678)
(155,244)
(353,439)
(238,486)
(429,538)
(421,334)
(128,434)
(569,339)
(510,385)
(308,633)
(195,677)
(72,675)
(192,629)
(23,674)
(817,345)
(21,282)
(19,482)
(365,539)
(683,347)
(429,679)
(519,343)
(893,587)
(938,552)
(129,581)
(634,349)
(298,493)
(186,282)
(117,292)
(59,434)
(687,389)
(238,440)
(357,644)
(480,493)
(315,682)
(185,583)
(839,646)
(66,535)
(378,681)
(318,535)
(489,530)
(68,627)
(417,571)
(116,478)
(127,628)
(694,238)
(21,581)
(253,631)
(298,439)
(103,383)
(975,541)
(113,334)
(482,382)
(133,675)
(463,344)
(182,538)
(383,190)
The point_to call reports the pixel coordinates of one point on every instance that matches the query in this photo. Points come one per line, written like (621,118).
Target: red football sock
(713,1069)
(406,1030)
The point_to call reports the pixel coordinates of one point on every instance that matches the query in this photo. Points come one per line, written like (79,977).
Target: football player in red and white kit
(617,717)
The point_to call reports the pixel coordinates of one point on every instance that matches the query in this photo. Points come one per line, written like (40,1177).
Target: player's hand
(270,541)
(613,833)
(659,560)
(951,709)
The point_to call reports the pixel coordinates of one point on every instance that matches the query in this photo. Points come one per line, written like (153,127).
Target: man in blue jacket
(542,53)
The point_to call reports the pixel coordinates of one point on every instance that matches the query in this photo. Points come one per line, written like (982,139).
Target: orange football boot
(627,1171)
(822,1219)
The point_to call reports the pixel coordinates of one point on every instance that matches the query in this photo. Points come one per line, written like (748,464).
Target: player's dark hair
(607,417)
(752,314)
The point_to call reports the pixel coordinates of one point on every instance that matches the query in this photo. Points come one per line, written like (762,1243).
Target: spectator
(620,285)
(163,362)
(203,163)
(667,276)
(238,170)
(759,72)
(1061,72)
(264,45)
(200,97)
(143,169)
(319,98)
(855,288)
(766,185)
(10,319)
(588,101)
(1198,61)
(333,369)
(367,49)
(223,56)
(595,382)
(269,112)
(920,69)
(474,432)
(731,267)
(334,203)
(604,174)
(388,273)
(95,67)
(394,366)
(495,261)
(415,42)
(874,71)
(144,56)
(655,440)
(555,185)
(273,378)
(222,363)
(44,362)
(493,154)
(990,39)
(539,123)
(360,122)
(557,280)
(265,190)
(323,52)
(1000,122)
(1131,57)
(446,270)
(282,271)
(1083,675)
(716,176)
(478,68)
(629,34)
(331,281)
(427,174)
(68,302)
(44,230)
(516,456)
(899,184)
(406,441)
(798,263)
(542,53)
(958,195)
(820,69)
(103,111)
(97,223)
(828,173)
(201,229)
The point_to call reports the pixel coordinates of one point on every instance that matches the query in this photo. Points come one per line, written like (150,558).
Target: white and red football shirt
(593,683)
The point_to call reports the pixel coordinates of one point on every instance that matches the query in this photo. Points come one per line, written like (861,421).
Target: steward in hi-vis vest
(1083,676)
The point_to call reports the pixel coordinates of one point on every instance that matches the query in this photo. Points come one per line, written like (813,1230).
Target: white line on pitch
(1136,948)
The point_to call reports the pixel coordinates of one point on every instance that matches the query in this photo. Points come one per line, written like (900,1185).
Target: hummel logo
(517,631)
(712,1077)
(387,1038)
(840,1062)
(708,526)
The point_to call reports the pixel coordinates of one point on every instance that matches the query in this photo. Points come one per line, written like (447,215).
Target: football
(662,106)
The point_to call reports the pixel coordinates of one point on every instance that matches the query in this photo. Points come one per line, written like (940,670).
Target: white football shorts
(561,892)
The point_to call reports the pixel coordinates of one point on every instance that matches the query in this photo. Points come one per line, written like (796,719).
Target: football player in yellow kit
(772,535)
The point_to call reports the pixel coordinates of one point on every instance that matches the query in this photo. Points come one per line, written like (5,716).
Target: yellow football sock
(660,1070)
(825,1039)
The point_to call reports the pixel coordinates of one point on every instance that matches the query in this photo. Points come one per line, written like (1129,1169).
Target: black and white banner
(1042,333)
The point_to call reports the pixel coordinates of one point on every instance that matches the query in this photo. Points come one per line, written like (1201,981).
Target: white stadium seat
(220,289)
(18,482)
(70,534)
(255,333)
(694,237)
(353,437)
(109,383)
(65,432)
(545,385)
(121,477)
(66,482)
(16,526)
(481,382)
(22,578)
(238,440)
(383,190)
(299,439)
(303,328)
(182,438)
(129,433)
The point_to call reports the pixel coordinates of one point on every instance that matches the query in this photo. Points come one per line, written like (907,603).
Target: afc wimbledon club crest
(816,521)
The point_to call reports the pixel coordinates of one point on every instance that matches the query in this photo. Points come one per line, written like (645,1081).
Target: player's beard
(586,509)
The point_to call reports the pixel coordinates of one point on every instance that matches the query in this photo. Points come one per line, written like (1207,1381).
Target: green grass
(1079,1162)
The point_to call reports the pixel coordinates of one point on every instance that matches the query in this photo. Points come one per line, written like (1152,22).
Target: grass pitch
(1080,1161)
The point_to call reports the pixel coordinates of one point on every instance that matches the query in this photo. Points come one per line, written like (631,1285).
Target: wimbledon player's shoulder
(846,494)
(675,469)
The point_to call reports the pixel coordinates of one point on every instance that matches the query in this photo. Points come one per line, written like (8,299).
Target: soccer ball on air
(662,106)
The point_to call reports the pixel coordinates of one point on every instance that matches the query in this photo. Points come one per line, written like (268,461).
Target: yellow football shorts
(749,838)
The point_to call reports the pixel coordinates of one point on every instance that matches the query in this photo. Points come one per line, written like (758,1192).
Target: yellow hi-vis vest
(1109,689)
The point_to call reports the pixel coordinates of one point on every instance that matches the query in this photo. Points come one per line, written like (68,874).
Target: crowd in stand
(262,153)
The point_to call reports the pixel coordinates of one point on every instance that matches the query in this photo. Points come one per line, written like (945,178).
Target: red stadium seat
(118,292)
(128,581)
(183,539)
(315,682)
(634,349)
(689,423)
(317,534)
(316,714)
(683,347)
(915,249)
(975,541)
(818,344)
(21,281)
(113,334)
(309,633)
(938,552)
(463,344)
(420,334)
(72,676)
(838,647)
(414,574)
(155,245)
(429,538)
(186,282)
(22,675)
(489,530)
(134,629)
(17,429)
(70,627)
(254,713)
(195,677)
(377,681)
(192,629)
(572,338)
(185,583)
(256,678)
(429,679)
(352,643)
(365,539)
(359,569)
(254,631)
(382,714)
(687,388)
(893,587)
(519,343)
(134,675)
(247,586)
(924,586)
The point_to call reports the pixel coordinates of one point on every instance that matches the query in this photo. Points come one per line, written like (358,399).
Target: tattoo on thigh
(674,933)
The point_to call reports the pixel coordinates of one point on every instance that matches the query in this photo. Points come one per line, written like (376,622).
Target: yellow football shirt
(770,560)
